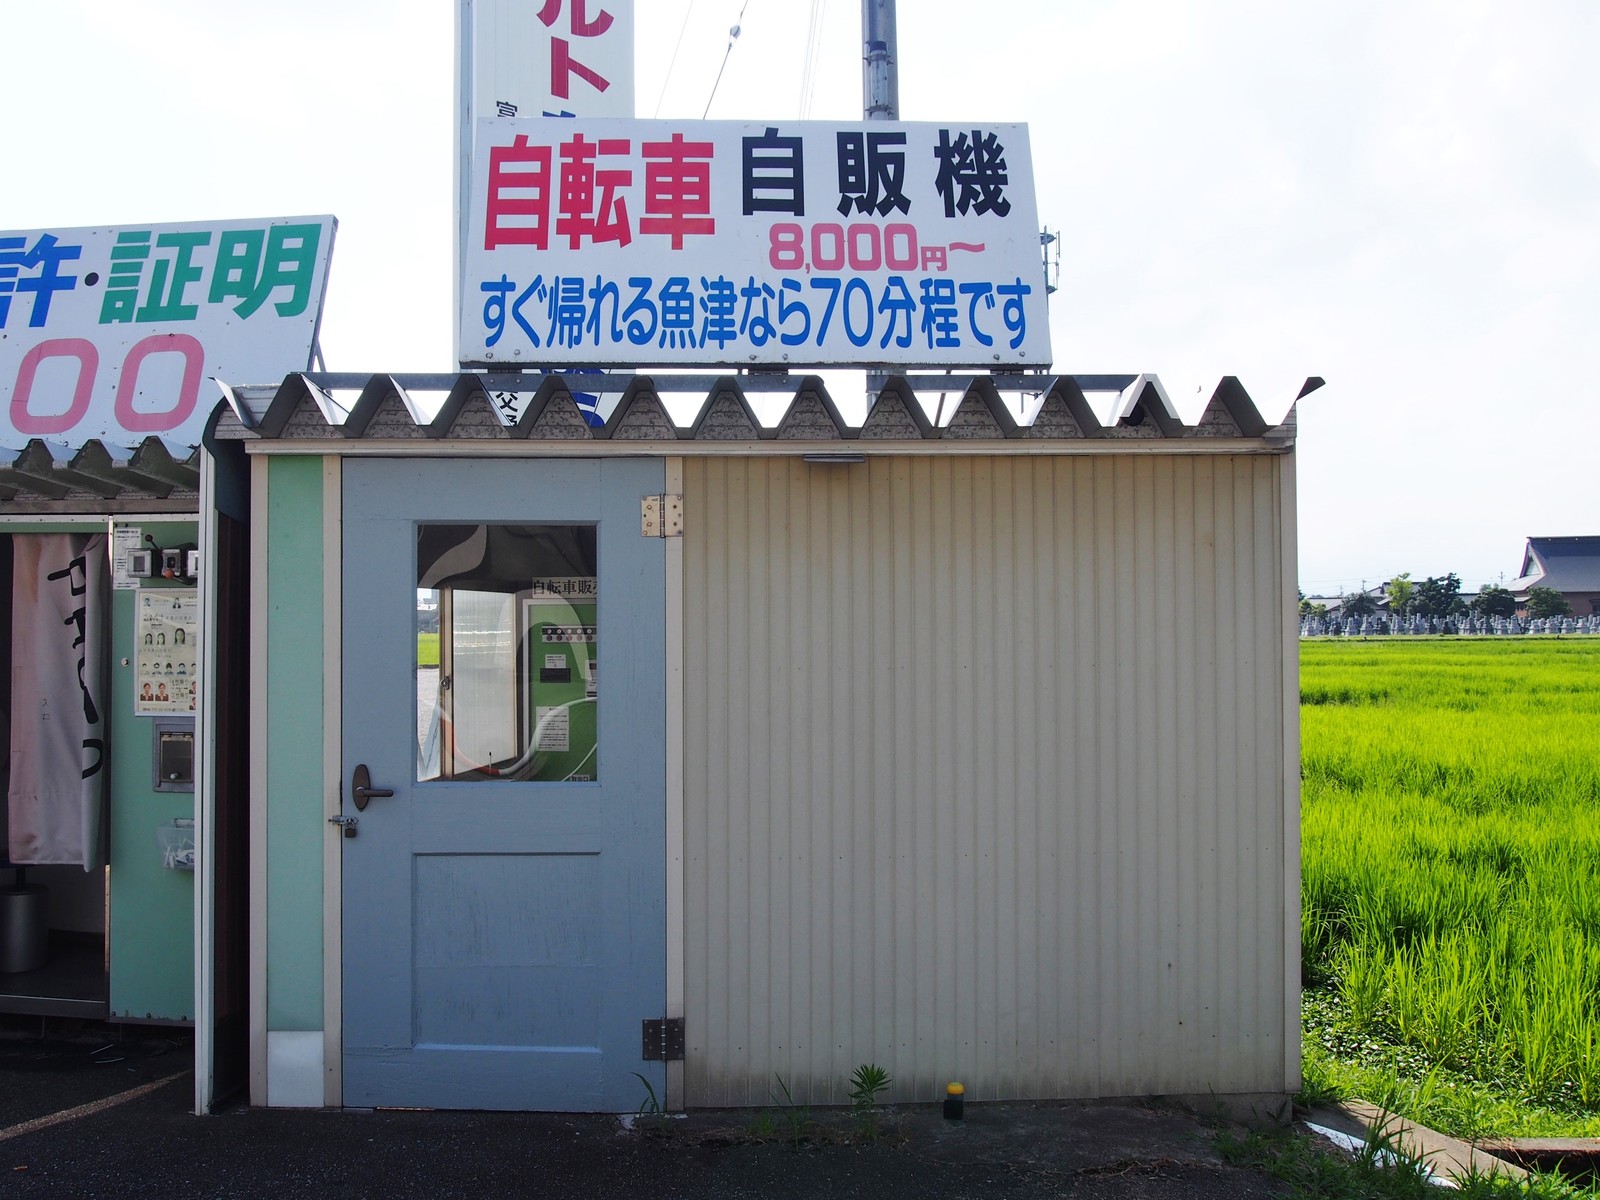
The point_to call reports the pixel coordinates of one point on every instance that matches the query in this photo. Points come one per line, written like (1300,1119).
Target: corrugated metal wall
(984,776)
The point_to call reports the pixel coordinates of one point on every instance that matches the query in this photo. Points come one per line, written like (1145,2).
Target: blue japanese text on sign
(658,242)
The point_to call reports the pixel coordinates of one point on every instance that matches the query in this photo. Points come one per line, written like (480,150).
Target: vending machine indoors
(123,602)
(123,897)
(99,685)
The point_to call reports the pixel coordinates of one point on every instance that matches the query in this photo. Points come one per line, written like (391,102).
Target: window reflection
(507,652)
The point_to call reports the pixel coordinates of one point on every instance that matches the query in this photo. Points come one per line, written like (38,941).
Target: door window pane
(507,653)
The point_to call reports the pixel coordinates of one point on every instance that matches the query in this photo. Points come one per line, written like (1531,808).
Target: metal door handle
(361,788)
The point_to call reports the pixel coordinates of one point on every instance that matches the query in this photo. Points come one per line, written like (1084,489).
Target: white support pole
(461,165)
(205,798)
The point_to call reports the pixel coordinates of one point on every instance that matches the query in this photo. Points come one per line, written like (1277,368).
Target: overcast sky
(1401,197)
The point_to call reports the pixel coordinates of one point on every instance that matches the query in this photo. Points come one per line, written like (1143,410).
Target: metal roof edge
(302,407)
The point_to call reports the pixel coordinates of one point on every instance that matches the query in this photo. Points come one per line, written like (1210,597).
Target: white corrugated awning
(51,478)
(308,406)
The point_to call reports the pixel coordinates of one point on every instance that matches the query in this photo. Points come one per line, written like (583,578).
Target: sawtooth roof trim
(303,407)
(102,478)
(49,477)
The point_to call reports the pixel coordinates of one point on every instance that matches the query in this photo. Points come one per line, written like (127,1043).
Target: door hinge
(663,1040)
(661,516)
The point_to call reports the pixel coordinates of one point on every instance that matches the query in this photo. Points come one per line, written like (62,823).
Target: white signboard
(632,243)
(110,333)
(551,58)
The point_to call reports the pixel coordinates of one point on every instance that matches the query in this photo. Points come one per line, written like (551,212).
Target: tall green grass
(1451,855)
(427,649)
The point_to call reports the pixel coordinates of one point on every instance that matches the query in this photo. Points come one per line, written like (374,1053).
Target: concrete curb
(1444,1155)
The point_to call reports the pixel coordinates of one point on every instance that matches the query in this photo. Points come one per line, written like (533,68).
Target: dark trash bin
(24,928)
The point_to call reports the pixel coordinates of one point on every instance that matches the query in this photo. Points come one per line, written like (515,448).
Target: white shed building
(968,751)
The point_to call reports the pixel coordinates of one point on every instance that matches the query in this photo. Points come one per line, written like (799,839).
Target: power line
(1328,587)
(682,29)
(733,36)
(808,77)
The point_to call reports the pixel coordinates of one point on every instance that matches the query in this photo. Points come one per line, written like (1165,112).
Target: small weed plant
(867,1082)
(793,1116)
(650,1106)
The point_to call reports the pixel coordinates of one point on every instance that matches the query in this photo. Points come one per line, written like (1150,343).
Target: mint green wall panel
(152,908)
(295,827)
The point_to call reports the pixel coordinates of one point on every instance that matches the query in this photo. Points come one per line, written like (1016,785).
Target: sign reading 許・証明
(111,332)
(630,243)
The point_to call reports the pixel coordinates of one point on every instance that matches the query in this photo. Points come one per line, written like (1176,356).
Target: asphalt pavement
(100,1113)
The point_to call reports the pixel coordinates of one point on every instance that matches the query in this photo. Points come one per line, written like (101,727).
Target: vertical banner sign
(633,243)
(552,58)
(56,803)
(537,58)
(111,333)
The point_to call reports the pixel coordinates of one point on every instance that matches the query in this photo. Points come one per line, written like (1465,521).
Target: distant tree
(1547,602)
(1318,610)
(1358,604)
(1438,596)
(1400,591)
(1494,602)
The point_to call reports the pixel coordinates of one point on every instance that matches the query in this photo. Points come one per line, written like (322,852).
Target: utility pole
(880,96)
(880,78)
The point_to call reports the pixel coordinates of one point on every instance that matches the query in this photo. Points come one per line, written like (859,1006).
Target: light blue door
(504,908)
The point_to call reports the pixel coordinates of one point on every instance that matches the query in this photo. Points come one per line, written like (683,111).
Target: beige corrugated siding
(984,776)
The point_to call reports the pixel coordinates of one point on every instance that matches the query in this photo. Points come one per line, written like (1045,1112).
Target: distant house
(1335,604)
(1570,565)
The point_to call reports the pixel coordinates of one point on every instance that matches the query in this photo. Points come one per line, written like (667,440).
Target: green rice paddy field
(1451,880)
